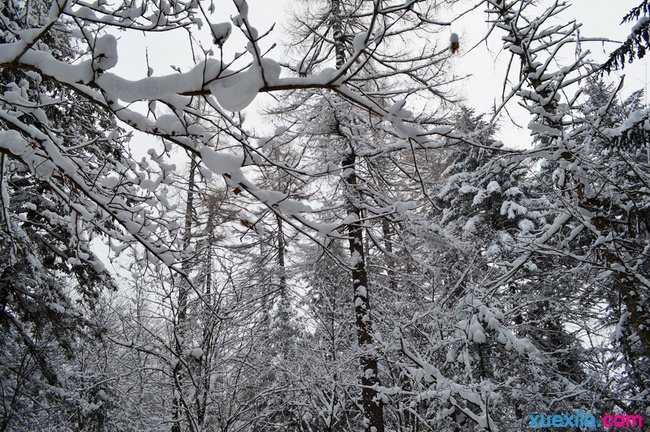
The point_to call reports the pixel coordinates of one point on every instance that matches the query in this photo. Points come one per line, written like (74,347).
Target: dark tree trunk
(372,406)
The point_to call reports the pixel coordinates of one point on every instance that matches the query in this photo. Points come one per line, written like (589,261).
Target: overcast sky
(600,18)
(486,63)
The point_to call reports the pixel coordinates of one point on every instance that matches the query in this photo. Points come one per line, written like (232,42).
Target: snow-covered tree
(375,260)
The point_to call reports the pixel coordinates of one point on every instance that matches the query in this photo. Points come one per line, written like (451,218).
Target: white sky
(600,18)
(485,63)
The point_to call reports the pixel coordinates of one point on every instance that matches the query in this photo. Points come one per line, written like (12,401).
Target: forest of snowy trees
(365,254)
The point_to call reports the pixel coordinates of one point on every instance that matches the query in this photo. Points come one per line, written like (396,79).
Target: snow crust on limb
(359,42)
(220,32)
(230,166)
(222,163)
(236,92)
(398,116)
(105,52)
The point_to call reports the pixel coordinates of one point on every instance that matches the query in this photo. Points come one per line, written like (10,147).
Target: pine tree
(638,41)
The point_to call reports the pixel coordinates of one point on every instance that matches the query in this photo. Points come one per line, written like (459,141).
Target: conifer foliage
(637,43)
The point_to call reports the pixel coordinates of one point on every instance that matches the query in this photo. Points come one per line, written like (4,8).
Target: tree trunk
(387,232)
(373,407)
(181,315)
(283,309)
